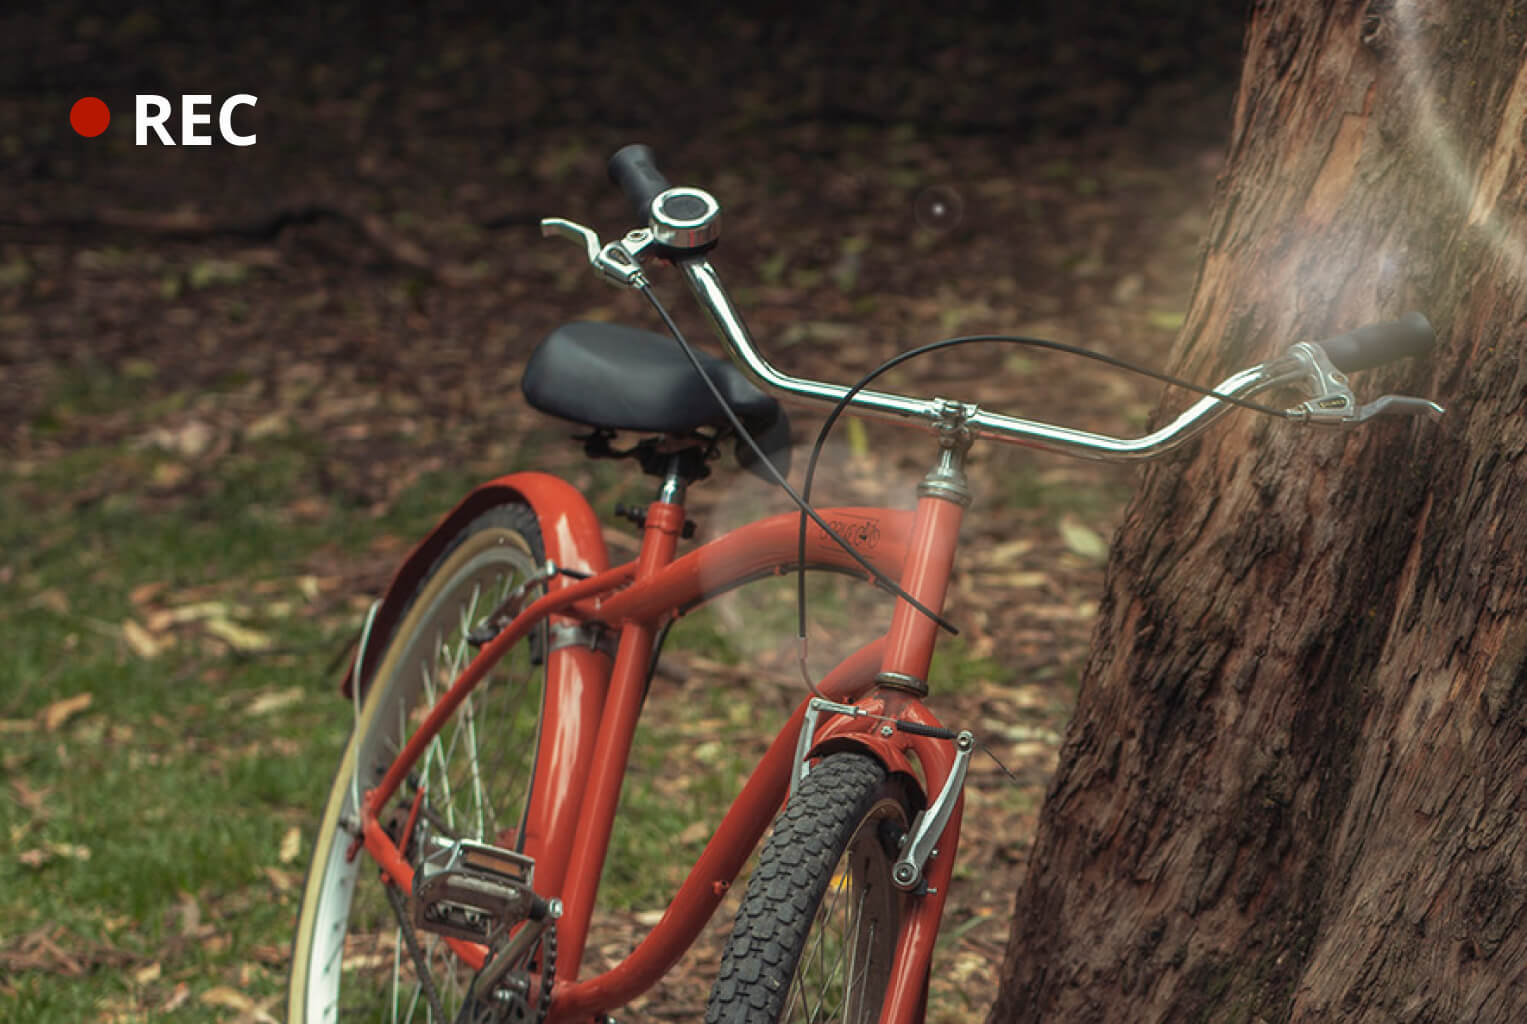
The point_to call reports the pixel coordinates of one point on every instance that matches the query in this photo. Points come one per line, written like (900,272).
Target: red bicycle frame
(591,707)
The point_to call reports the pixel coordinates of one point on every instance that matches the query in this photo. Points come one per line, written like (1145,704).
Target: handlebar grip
(634,169)
(1377,344)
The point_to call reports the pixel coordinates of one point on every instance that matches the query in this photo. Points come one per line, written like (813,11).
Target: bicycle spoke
(470,777)
(397,971)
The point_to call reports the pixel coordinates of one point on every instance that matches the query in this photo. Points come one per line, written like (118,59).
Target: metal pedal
(473,891)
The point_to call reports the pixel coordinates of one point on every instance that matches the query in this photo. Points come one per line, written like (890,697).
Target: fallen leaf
(275,700)
(189,439)
(168,475)
(240,638)
(1166,320)
(160,621)
(282,881)
(34,800)
(144,975)
(268,426)
(1026,580)
(53,599)
(143,593)
(291,845)
(177,998)
(53,851)
(189,912)
(60,711)
(1083,540)
(1008,552)
(227,997)
(271,955)
(140,640)
(858,438)
(308,509)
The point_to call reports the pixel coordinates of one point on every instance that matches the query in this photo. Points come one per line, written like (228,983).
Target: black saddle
(623,378)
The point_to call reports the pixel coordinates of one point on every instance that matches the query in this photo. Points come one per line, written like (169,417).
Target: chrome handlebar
(1305,364)
(706,286)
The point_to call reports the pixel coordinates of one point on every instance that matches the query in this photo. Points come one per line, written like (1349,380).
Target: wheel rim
(845,964)
(476,775)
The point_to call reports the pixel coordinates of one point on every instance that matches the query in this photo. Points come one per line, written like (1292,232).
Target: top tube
(706,285)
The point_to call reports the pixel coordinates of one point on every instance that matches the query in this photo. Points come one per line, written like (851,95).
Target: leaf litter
(439,369)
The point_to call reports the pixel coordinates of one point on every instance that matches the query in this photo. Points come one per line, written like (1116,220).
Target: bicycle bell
(685,218)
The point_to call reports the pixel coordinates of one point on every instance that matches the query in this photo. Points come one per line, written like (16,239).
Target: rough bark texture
(1294,784)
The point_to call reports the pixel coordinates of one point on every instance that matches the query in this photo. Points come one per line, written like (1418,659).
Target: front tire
(349,958)
(817,930)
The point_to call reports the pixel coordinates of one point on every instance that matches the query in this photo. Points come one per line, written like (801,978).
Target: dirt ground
(887,180)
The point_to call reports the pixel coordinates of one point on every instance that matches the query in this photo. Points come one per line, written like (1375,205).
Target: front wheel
(817,930)
(351,958)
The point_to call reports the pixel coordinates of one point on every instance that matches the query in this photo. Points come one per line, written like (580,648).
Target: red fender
(861,736)
(570,533)
(923,759)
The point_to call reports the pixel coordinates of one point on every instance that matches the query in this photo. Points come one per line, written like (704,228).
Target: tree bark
(1294,783)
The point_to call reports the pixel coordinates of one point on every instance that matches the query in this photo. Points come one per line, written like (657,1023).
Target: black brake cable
(1012,339)
(805,507)
(802,499)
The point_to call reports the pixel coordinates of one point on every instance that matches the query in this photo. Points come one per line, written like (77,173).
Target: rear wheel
(351,959)
(817,930)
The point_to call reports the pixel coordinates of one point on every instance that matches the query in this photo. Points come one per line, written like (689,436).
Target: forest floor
(237,383)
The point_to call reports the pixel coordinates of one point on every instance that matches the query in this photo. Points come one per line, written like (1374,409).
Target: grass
(140,827)
(147,858)
(170,627)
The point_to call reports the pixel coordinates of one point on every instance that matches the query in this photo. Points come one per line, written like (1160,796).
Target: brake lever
(1396,405)
(1332,402)
(618,262)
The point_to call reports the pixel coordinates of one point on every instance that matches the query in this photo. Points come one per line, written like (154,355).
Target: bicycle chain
(421,963)
(516,1009)
(548,971)
(411,939)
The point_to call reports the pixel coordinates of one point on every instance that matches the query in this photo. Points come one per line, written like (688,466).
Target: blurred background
(237,383)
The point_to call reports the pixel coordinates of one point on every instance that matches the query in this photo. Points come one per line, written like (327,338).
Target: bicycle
(499,680)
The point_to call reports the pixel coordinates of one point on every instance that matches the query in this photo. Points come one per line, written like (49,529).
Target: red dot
(89,116)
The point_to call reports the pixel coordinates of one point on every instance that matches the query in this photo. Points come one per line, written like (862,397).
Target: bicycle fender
(925,760)
(570,534)
(888,752)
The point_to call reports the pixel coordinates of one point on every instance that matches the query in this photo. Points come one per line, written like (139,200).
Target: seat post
(663,523)
(675,482)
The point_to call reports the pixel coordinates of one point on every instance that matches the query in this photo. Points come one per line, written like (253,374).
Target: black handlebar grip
(634,169)
(1377,344)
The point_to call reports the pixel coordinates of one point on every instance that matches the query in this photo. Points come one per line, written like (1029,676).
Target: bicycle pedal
(473,891)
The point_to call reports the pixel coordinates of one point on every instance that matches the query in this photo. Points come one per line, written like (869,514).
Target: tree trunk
(1293,787)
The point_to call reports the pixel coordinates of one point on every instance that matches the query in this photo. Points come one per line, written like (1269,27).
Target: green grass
(146,866)
(141,837)
(143,834)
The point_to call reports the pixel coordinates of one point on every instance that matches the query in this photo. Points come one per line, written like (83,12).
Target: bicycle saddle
(625,378)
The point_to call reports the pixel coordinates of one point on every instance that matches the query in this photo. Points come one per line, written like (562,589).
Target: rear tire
(817,930)
(349,958)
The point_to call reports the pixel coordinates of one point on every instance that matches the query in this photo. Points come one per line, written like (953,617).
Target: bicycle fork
(892,723)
